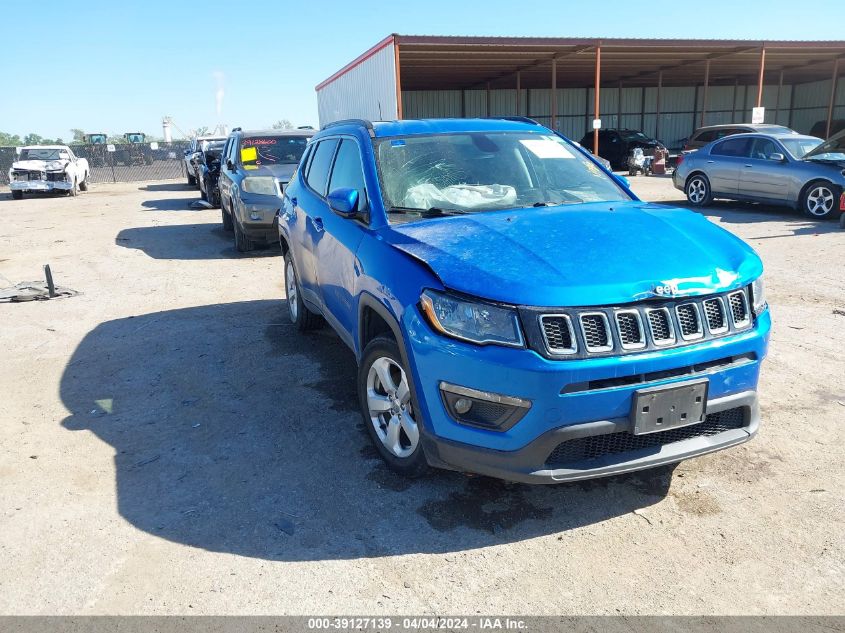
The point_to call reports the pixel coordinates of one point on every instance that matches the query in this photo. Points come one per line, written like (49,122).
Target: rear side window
(739,147)
(318,170)
(348,172)
(706,137)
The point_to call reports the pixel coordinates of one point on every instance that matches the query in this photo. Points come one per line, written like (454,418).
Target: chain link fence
(128,162)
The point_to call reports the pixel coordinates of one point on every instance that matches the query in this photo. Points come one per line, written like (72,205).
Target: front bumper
(258,217)
(562,408)
(530,464)
(40,185)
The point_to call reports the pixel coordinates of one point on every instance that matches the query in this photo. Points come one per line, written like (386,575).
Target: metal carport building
(664,87)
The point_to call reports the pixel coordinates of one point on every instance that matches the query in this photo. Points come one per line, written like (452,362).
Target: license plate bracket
(665,407)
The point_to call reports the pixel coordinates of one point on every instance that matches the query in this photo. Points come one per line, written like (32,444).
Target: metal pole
(488,99)
(554,95)
(518,92)
(657,116)
(694,109)
(780,87)
(51,287)
(706,86)
(832,103)
(642,108)
(733,105)
(463,103)
(619,107)
(398,79)
(597,101)
(760,80)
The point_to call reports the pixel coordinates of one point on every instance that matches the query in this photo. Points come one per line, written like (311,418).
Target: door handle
(749,166)
(710,162)
(317,223)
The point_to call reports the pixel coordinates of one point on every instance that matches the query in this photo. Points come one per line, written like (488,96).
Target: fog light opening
(483,409)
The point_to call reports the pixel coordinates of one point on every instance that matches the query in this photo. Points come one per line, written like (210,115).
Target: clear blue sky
(101,66)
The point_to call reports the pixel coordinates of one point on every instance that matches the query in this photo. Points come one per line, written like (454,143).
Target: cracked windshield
(450,174)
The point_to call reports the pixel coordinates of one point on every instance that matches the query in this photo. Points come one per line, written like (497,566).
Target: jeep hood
(279,171)
(578,255)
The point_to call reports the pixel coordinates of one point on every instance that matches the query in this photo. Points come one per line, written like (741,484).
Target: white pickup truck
(48,168)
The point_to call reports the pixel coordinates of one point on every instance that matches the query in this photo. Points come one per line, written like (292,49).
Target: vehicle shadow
(171,204)
(753,213)
(187,242)
(234,433)
(168,186)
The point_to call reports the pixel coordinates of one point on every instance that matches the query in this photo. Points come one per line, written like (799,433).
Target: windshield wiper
(427,213)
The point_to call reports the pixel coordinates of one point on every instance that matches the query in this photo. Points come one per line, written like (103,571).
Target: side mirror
(229,165)
(777,157)
(344,202)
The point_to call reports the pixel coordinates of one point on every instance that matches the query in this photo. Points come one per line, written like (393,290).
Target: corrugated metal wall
(680,107)
(366,91)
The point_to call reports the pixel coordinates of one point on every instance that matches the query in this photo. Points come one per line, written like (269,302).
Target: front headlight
(758,295)
(260,184)
(473,321)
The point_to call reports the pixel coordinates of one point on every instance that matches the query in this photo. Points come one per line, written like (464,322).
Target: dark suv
(254,170)
(616,145)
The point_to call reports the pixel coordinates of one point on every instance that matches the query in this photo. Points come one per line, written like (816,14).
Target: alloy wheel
(389,405)
(696,191)
(820,201)
(292,292)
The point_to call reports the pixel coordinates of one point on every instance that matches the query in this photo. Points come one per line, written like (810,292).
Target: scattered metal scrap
(35,290)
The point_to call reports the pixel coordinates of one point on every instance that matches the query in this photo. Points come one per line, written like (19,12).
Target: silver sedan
(792,170)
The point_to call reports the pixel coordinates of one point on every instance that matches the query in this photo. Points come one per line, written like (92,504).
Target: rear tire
(390,411)
(698,190)
(298,313)
(17,194)
(820,200)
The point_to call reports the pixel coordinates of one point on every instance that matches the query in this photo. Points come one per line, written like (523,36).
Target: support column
(597,100)
(657,114)
(733,105)
(398,79)
(760,79)
(619,106)
(554,95)
(642,109)
(832,103)
(518,109)
(488,99)
(463,103)
(704,95)
(777,105)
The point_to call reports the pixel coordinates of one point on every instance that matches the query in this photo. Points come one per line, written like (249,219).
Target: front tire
(74,191)
(820,200)
(698,191)
(390,413)
(298,313)
(242,243)
(192,181)
(83,186)
(17,194)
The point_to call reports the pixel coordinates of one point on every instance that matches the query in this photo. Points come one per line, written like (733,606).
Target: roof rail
(237,129)
(367,124)
(521,119)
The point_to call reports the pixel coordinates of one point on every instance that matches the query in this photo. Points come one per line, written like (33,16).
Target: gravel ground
(170,446)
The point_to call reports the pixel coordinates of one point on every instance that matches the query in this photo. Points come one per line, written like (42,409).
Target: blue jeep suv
(514,309)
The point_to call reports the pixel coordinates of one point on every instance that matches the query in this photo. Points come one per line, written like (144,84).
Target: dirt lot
(169,445)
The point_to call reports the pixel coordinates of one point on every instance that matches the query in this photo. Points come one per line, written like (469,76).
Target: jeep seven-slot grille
(557,331)
(714,312)
(633,328)
(661,328)
(596,334)
(593,447)
(739,307)
(630,332)
(688,320)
